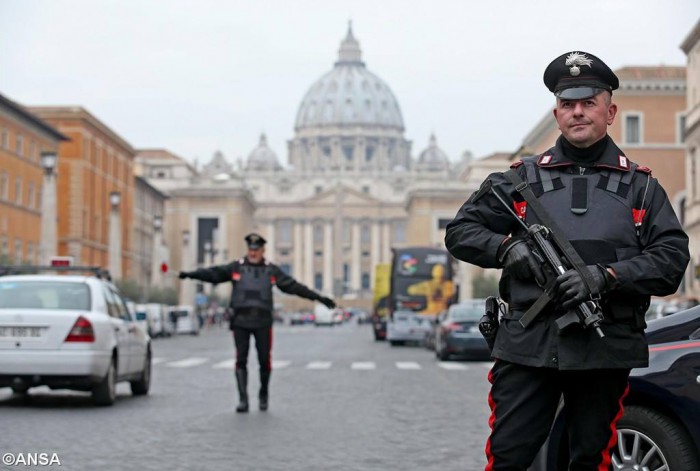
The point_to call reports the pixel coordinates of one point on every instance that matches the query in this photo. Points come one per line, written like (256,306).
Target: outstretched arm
(216,274)
(290,286)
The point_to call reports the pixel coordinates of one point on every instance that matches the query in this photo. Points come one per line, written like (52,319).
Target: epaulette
(646,170)
(516,164)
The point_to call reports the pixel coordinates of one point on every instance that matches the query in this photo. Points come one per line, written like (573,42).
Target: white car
(185,318)
(70,332)
(323,315)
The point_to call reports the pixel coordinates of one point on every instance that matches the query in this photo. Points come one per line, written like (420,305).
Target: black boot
(242,379)
(264,385)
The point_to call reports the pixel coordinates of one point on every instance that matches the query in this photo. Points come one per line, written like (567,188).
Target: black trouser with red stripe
(263,344)
(524,401)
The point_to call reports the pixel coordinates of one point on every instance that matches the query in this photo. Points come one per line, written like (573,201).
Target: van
(323,315)
(185,319)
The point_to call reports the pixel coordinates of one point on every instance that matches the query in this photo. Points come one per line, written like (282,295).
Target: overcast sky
(199,76)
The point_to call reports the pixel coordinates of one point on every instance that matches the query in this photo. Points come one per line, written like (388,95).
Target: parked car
(185,319)
(458,332)
(155,318)
(660,428)
(70,332)
(324,315)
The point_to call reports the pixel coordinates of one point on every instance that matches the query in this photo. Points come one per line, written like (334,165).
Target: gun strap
(572,256)
(534,310)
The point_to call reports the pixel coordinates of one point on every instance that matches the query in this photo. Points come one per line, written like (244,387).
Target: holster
(489,322)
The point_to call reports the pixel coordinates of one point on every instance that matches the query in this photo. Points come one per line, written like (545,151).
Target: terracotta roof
(661,72)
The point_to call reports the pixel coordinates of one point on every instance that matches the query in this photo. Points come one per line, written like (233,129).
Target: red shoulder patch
(646,170)
(516,164)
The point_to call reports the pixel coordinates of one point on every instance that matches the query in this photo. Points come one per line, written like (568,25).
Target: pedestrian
(253,278)
(619,220)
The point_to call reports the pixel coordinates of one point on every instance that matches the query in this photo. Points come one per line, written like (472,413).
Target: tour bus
(421,287)
(380,303)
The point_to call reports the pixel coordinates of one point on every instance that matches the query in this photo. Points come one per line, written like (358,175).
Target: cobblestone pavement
(339,400)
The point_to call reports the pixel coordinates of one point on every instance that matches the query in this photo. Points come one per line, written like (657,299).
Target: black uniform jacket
(261,315)
(631,229)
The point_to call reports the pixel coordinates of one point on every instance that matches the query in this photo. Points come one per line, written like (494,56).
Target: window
(369,153)
(284,230)
(633,129)
(4,186)
(318,281)
(365,234)
(681,129)
(5,139)
(318,189)
(346,273)
(365,281)
(400,231)
(365,189)
(286,268)
(318,234)
(31,202)
(18,190)
(18,251)
(30,253)
(346,232)
(442,223)
(348,152)
(32,147)
(4,247)
(19,145)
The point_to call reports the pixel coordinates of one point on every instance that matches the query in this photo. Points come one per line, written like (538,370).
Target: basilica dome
(349,95)
(262,157)
(433,158)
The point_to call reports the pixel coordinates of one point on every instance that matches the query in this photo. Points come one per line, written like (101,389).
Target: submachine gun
(557,255)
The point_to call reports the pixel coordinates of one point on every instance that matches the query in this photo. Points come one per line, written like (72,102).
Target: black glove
(570,290)
(328,302)
(517,259)
(183,274)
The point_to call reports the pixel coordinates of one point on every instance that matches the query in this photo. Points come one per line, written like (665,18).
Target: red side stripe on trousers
(606,458)
(492,419)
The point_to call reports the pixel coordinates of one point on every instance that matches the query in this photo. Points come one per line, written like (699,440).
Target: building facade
(691,47)
(94,166)
(150,252)
(23,138)
(350,193)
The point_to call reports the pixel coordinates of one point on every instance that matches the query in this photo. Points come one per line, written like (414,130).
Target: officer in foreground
(619,220)
(251,300)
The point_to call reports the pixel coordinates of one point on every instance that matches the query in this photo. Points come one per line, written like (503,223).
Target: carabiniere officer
(252,278)
(619,220)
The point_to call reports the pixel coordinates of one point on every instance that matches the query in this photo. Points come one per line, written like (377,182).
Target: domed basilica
(350,191)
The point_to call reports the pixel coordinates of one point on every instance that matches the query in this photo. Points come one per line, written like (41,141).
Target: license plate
(20,332)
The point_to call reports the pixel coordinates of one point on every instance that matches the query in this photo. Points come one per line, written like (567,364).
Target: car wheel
(395,343)
(443,355)
(649,440)
(141,386)
(105,392)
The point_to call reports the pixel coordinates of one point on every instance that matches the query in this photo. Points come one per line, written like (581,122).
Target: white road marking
(488,365)
(319,365)
(408,365)
(452,366)
(279,364)
(225,365)
(363,365)
(187,362)
(157,360)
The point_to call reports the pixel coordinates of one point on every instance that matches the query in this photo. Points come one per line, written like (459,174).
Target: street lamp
(48,162)
(114,199)
(49,230)
(115,237)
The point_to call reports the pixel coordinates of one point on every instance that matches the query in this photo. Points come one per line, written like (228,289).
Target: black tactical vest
(253,287)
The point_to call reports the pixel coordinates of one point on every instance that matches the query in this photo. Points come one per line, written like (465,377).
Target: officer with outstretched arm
(253,278)
(619,220)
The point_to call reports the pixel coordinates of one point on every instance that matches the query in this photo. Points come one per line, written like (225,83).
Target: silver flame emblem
(575,60)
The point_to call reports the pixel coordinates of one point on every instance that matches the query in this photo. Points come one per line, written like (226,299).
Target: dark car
(660,428)
(458,332)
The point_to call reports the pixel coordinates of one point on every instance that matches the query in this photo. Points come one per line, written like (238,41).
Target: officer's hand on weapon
(328,302)
(516,257)
(183,274)
(570,289)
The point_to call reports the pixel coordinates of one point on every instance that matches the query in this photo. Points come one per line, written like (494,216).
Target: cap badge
(576,59)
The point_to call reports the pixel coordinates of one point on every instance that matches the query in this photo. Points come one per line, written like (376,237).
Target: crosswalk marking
(452,366)
(187,362)
(157,361)
(408,365)
(363,365)
(225,365)
(319,365)
(279,364)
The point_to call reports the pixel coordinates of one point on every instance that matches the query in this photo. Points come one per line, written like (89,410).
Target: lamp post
(208,255)
(115,236)
(156,253)
(49,236)
(186,288)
